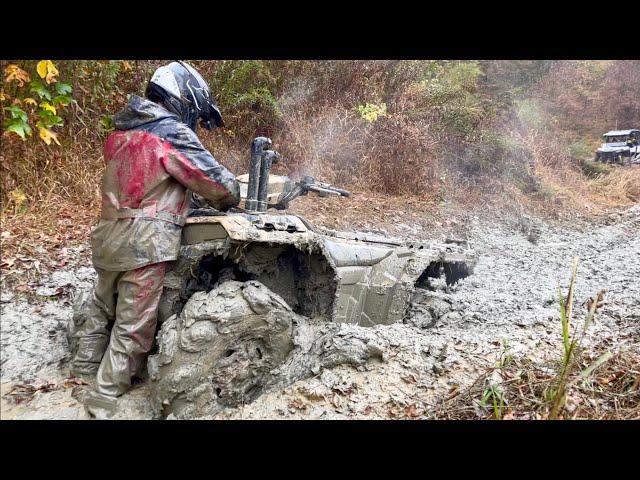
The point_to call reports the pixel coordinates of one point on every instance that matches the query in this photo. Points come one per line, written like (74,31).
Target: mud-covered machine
(251,282)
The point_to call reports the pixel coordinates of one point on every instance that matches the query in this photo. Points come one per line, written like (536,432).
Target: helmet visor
(211,117)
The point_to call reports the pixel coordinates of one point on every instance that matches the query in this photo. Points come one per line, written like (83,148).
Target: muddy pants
(131,299)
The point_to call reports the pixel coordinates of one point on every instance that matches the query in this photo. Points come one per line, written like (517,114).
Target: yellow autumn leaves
(47,135)
(370,112)
(47,71)
(47,106)
(45,68)
(18,198)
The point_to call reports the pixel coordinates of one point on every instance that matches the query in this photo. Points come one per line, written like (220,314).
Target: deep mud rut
(510,303)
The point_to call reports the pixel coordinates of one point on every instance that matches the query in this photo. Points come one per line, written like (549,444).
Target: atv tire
(220,350)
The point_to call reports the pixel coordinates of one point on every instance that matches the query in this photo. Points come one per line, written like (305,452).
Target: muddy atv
(257,297)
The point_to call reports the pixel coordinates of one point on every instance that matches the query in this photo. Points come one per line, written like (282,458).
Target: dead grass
(583,383)
(522,389)
(621,186)
(565,191)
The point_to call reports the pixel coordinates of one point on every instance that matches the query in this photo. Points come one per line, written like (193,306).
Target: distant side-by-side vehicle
(620,147)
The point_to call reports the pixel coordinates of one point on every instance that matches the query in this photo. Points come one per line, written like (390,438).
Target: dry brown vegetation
(601,381)
(520,389)
(429,133)
(496,127)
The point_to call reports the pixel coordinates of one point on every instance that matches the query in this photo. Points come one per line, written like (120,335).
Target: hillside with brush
(517,130)
(412,139)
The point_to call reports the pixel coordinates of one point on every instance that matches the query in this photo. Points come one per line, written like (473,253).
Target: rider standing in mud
(151,161)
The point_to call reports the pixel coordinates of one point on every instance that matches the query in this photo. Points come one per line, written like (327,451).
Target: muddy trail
(509,304)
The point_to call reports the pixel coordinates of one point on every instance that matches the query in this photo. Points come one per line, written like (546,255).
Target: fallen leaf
(297,404)
(16,74)
(47,135)
(72,382)
(411,411)
(411,378)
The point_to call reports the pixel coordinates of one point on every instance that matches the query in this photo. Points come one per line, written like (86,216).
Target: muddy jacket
(151,161)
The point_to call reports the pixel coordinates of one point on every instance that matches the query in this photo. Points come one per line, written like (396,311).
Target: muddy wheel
(221,349)
(427,309)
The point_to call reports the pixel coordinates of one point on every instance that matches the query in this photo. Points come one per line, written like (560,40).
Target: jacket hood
(140,111)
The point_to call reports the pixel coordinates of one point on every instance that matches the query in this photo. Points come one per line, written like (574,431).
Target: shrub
(34,103)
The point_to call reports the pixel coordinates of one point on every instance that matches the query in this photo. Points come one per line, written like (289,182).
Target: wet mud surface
(404,370)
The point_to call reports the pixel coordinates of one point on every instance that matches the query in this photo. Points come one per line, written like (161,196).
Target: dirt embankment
(509,306)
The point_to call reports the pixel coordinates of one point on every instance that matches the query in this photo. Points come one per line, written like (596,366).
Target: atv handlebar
(306,185)
(322,189)
(258,187)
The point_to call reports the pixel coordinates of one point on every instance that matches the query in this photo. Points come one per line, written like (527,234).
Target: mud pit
(345,371)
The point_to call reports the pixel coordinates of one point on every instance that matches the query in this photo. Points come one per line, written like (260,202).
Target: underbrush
(595,382)
(521,389)
(442,133)
(621,185)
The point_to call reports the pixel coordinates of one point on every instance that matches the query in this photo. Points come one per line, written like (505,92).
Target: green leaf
(48,119)
(107,123)
(17,128)
(20,128)
(17,112)
(599,361)
(63,88)
(62,100)
(39,89)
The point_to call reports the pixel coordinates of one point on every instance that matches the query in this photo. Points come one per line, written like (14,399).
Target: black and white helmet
(184,92)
